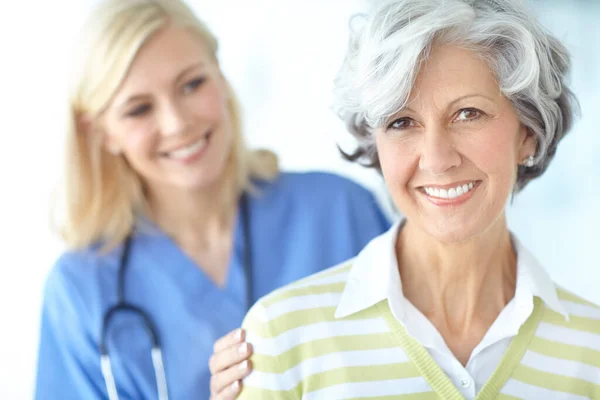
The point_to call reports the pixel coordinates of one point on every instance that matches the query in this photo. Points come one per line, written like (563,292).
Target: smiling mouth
(185,152)
(452,193)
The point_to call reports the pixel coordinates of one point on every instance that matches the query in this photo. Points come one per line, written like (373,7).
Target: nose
(438,154)
(174,119)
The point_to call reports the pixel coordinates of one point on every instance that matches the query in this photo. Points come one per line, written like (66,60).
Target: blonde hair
(102,194)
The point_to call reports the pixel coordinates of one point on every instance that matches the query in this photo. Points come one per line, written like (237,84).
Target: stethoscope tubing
(124,306)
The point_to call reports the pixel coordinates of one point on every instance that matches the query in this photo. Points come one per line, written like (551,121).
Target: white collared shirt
(375,277)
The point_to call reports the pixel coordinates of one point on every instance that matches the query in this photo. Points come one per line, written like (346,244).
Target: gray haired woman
(460,104)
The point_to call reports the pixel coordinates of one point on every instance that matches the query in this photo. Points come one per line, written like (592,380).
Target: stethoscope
(123,305)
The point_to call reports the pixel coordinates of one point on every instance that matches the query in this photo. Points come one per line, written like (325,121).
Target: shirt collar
(374,277)
(534,279)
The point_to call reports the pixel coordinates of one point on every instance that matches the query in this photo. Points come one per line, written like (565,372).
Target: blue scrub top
(300,224)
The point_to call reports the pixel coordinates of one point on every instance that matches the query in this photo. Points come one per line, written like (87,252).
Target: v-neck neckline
(177,262)
(435,376)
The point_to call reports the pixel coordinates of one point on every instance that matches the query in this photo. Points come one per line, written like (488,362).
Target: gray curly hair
(395,38)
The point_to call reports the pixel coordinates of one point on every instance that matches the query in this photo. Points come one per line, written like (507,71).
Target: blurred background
(281,57)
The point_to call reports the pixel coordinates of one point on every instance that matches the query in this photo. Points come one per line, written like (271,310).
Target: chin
(205,175)
(451,231)
(202,181)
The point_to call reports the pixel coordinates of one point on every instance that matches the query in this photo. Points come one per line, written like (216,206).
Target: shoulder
(569,299)
(580,310)
(78,276)
(329,281)
(72,264)
(581,328)
(314,184)
(306,299)
(320,178)
(281,327)
(325,195)
(579,307)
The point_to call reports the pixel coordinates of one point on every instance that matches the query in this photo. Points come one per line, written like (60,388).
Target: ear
(527,143)
(86,125)
(83,124)
(111,145)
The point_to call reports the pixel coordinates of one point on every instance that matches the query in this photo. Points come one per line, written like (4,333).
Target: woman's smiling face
(450,157)
(170,117)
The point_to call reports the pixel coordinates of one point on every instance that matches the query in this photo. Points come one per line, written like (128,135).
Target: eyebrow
(179,76)
(466,96)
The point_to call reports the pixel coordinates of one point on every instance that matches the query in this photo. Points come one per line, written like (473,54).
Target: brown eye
(401,123)
(139,111)
(193,85)
(468,114)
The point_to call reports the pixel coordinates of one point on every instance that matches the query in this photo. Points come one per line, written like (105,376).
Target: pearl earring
(528,162)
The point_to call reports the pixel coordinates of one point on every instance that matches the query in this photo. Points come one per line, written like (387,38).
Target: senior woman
(460,104)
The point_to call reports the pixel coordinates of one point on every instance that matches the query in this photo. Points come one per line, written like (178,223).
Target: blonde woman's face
(450,158)
(170,118)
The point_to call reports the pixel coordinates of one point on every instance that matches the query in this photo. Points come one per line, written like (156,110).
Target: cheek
(493,152)
(136,140)
(210,103)
(397,159)
(140,140)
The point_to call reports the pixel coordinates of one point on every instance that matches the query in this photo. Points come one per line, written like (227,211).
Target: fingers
(229,365)
(230,393)
(232,338)
(229,357)
(227,384)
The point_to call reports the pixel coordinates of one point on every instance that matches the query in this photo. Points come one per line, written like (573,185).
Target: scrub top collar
(165,252)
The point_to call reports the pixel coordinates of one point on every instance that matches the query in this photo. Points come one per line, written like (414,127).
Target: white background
(281,56)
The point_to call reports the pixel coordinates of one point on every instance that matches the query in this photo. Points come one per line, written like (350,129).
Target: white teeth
(451,193)
(188,151)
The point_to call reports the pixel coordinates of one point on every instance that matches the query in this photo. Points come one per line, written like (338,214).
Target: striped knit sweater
(301,351)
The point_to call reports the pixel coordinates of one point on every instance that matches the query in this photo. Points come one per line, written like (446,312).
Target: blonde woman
(460,104)
(174,227)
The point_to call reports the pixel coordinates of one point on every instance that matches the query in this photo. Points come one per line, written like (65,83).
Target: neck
(197,218)
(463,285)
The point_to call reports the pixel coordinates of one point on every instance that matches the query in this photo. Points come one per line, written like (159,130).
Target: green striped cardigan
(301,351)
